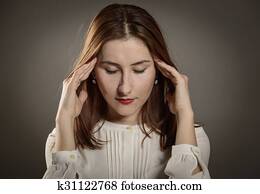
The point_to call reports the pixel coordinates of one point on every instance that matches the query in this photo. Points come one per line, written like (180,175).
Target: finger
(169,69)
(167,74)
(85,74)
(77,74)
(170,72)
(88,70)
(161,69)
(78,69)
(164,72)
(85,65)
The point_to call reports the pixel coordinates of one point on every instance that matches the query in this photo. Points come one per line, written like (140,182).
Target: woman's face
(125,70)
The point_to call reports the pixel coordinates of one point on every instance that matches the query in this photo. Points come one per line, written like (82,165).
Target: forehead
(125,51)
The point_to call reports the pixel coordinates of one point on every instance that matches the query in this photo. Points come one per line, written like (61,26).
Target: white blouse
(124,157)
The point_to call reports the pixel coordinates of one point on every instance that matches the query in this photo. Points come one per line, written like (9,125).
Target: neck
(127,120)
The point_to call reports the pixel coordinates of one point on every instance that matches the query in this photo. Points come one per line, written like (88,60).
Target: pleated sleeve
(61,164)
(185,158)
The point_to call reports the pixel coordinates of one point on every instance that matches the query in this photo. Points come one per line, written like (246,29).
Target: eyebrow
(133,64)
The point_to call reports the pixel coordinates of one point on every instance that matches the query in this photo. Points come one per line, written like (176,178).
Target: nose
(125,85)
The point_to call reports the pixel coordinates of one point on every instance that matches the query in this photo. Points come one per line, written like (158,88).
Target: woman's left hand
(179,102)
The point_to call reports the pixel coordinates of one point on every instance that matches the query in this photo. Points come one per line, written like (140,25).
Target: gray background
(214,42)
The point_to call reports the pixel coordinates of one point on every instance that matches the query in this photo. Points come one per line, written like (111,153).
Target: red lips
(125,101)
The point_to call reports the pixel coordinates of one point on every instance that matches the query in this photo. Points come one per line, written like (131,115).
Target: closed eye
(139,71)
(111,72)
(114,71)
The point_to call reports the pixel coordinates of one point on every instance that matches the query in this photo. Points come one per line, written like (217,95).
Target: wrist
(64,121)
(61,118)
(189,114)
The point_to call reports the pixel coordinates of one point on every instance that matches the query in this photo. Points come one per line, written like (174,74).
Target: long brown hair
(122,21)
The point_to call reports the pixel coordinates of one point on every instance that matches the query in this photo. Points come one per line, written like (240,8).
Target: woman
(125,110)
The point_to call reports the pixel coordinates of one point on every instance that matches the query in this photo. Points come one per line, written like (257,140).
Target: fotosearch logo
(160,187)
(125,185)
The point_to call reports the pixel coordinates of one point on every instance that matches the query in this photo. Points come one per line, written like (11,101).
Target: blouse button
(129,128)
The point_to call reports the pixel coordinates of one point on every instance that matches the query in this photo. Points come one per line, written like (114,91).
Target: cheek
(106,83)
(145,85)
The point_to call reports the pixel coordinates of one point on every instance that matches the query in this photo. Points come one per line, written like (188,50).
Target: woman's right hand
(70,104)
